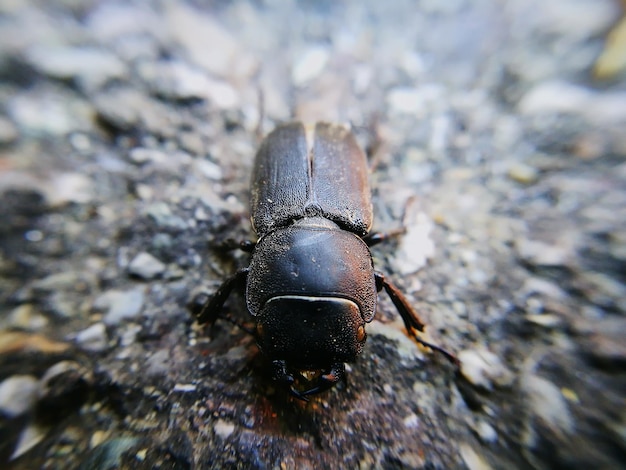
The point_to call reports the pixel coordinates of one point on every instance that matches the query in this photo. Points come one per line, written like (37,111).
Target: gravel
(127,135)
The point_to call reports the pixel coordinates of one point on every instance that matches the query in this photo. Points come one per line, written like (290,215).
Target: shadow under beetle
(311,284)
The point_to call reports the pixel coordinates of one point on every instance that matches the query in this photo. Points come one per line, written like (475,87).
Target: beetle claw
(299,395)
(328,380)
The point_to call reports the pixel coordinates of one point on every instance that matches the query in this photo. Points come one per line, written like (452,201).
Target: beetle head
(311,333)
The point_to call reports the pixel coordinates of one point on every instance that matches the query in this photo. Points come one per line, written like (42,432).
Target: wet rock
(120,305)
(18,394)
(146,266)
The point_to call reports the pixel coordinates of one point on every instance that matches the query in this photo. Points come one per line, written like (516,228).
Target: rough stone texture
(127,131)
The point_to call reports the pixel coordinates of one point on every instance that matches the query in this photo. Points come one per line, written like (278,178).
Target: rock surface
(127,132)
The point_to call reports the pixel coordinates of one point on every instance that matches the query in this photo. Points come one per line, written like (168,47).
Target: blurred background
(495,131)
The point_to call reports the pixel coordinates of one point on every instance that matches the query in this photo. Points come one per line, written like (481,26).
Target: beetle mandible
(311,285)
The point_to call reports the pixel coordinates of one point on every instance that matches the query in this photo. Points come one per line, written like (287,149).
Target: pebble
(18,394)
(92,67)
(473,459)
(146,266)
(209,169)
(194,31)
(46,113)
(486,432)
(108,454)
(141,155)
(93,338)
(161,213)
(546,402)
(224,428)
(539,253)
(416,101)
(121,107)
(559,97)
(120,305)
(411,421)
(416,246)
(63,385)
(484,369)
(309,65)
(522,173)
(158,363)
(8,131)
(31,435)
(13,341)
(27,317)
(66,188)
(179,80)
(57,281)
(407,349)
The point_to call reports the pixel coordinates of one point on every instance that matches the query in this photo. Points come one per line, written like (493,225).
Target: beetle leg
(374,238)
(282,376)
(231,244)
(409,316)
(206,309)
(325,381)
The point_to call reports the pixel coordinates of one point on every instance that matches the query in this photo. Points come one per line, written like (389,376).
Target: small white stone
(184,388)
(309,65)
(547,403)
(224,428)
(93,338)
(18,394)
(146,266)
(411,421)
(483,368)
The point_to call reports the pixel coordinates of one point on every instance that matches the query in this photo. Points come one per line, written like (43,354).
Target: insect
(311,286)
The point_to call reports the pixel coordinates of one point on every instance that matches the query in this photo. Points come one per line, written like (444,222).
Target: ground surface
(127,134)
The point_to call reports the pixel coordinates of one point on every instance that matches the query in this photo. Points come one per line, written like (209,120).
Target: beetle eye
(360,334)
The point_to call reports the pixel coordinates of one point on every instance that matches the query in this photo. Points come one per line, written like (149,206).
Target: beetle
(311,286)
